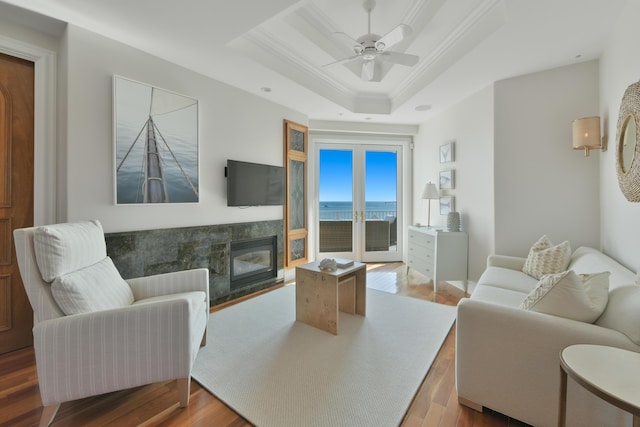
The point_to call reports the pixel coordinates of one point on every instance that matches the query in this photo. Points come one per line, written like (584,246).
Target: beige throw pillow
(574,296)
(545,258)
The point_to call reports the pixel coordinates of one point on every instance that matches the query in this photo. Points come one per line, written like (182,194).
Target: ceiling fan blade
(347,40)
(399,58)
(394,36)
(368,69)
(342,61)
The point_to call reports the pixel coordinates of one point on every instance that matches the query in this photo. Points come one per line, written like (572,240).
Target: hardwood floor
(435,404)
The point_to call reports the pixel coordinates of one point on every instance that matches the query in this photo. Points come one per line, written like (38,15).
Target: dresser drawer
(420,239)
(422,265)
(421,252)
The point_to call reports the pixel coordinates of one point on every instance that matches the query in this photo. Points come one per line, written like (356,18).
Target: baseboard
(469,404)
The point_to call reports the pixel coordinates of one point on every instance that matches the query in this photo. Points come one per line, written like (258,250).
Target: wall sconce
(586,135)
(430,193)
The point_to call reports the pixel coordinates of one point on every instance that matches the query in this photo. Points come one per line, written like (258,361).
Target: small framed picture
(446,180)
(446,205)
(447,153)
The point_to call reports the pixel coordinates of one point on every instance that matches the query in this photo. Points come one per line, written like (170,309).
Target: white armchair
(96,333)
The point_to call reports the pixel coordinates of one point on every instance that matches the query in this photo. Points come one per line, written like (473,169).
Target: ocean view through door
(358,210)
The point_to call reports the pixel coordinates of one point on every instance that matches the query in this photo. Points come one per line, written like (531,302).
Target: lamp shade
(430,191)
(586,133)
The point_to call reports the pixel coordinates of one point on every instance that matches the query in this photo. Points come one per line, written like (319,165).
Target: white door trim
(404,197)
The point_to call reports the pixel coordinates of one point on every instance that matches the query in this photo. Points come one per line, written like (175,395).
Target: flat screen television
(254,184)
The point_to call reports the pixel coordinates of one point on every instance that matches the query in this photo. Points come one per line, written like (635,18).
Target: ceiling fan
(371,47)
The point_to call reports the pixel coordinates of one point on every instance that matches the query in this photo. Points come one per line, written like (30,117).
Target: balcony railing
(336,230)
(344,215)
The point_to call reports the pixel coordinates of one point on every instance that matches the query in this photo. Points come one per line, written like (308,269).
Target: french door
(359,203)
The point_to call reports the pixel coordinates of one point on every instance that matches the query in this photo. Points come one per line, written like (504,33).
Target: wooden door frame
(298,156)
(45,146)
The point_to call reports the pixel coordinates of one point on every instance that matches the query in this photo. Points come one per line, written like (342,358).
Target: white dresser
(439,255)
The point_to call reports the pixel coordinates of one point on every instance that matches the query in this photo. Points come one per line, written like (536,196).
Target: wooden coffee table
(321,295)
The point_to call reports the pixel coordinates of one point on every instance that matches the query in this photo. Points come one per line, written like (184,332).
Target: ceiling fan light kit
(371,47)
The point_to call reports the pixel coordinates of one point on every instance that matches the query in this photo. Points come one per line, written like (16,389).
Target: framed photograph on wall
(446,205)
(155,144)
(447,152)
(446,180)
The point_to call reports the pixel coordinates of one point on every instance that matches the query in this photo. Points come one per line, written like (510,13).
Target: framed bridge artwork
(155,144)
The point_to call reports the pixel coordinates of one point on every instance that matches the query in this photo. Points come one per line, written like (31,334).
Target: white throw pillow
(63,248)
(545,258)
(574,296)
(622,313)
(93,288)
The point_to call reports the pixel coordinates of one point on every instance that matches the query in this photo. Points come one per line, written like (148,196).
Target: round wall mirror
(627,144)
(627,159)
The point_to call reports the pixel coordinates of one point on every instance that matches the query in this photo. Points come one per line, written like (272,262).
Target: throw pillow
(93,288)
(574,296)
(63,248)
(622,312)
(545,258)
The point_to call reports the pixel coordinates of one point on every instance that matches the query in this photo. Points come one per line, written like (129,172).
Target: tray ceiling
(277,48)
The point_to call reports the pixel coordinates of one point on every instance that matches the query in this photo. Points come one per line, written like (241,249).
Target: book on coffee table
(343,263)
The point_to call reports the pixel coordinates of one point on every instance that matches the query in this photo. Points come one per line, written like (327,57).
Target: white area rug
(277,372)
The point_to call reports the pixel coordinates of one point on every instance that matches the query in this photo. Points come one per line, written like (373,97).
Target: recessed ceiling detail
(424,37)
(463,46)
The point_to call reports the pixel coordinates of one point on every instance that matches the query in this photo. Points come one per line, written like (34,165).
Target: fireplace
(253,261)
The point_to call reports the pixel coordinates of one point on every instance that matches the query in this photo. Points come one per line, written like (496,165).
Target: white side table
(610,373)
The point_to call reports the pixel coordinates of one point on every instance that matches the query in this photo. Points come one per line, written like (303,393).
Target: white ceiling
(463,45)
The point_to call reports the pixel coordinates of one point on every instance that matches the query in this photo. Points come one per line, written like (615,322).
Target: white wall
(233,124)
(470,125)
(517,176)
(543,186)
(619,67)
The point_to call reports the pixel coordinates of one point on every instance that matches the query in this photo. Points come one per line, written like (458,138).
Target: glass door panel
(335,207)
(381,201)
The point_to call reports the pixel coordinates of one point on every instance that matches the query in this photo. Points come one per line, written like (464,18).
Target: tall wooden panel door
(296,223)
(16,195)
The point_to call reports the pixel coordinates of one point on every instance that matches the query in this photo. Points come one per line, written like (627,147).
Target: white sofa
(507,358)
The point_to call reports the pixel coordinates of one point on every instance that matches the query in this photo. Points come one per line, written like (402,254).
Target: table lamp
(430,193)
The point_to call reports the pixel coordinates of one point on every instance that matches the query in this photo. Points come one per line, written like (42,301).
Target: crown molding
(328,126)
(435,63)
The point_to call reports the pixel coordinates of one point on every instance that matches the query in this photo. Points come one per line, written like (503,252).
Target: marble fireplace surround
(147,252)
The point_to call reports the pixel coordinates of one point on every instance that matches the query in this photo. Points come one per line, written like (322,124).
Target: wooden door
(296,228)
(16,195)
